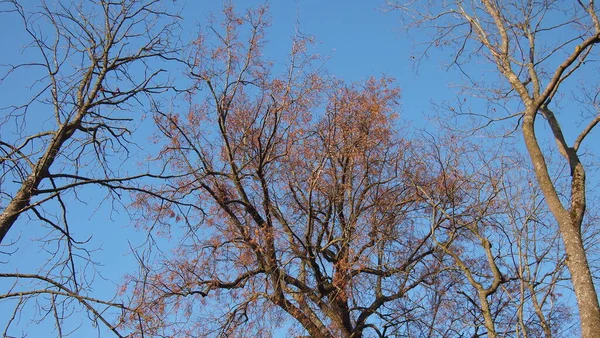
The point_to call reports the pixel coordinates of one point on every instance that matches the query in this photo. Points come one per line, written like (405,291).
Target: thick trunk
(12,211)
(569,222)
(317,330)
(23,197)
(587,299)
(487,314)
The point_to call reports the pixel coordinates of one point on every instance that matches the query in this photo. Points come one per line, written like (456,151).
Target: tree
(535,72)
(282,197)
(97,67)
(307,215)
(504,263)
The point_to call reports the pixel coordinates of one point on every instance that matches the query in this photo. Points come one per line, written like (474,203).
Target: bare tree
(95,66)
(514,36)
(307,214)
(504,265)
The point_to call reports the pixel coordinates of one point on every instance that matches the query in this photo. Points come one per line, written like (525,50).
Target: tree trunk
(23,197)
(587,301)
(569,222)
(9,215)
(487,314)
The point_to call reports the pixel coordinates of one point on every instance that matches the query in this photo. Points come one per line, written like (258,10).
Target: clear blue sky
(358,38)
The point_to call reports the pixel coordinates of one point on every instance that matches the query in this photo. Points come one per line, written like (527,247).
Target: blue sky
(357,38)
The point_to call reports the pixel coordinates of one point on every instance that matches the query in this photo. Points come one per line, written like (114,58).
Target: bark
(22,198)
(487,315)
(587,301)
(314,329)
(569,222)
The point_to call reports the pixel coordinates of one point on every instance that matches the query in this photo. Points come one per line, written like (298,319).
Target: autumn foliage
(317,215)
(305,198)
(280,200)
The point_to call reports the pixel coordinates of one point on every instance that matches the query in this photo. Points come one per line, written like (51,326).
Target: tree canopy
(260,193)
